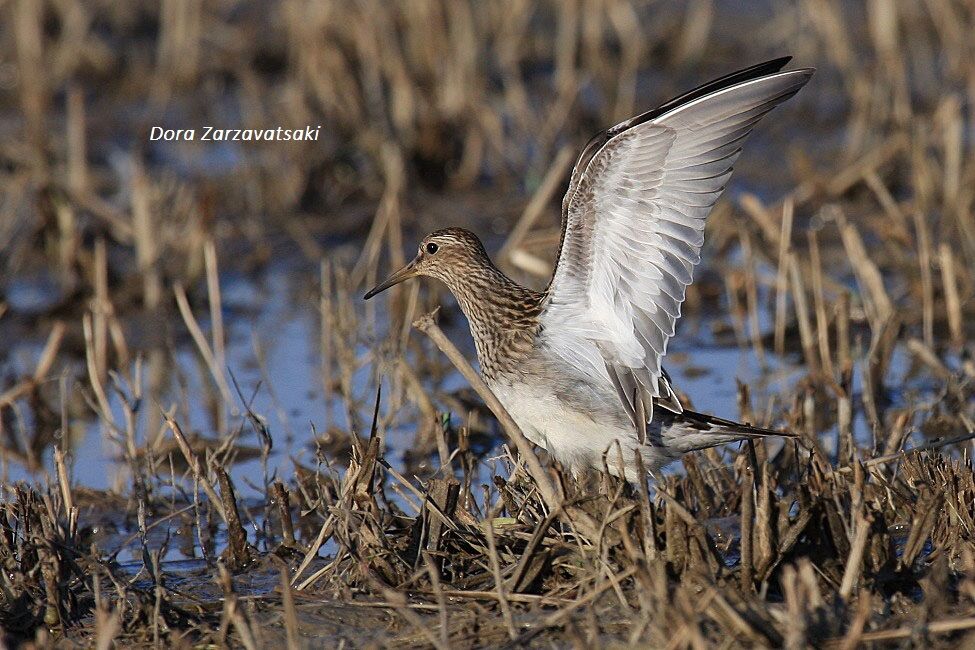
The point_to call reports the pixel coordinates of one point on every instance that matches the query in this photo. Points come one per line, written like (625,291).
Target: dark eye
(432,248)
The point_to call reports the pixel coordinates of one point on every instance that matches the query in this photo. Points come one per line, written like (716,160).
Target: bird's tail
(693,431)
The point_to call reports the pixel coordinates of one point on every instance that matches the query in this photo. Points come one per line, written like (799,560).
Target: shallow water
(276,314)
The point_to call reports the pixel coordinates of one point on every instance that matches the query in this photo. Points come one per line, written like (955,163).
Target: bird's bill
(405,273)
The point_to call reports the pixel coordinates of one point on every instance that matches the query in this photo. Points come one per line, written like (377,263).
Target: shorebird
(578,365)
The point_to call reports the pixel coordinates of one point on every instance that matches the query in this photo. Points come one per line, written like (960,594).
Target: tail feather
(693,431)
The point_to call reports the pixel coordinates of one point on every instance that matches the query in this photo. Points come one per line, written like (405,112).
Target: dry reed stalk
(795,634)
(875,158)
(854,563)
(77,141)
(49,353)
(945,626)
(240,552)
(290,613)
(64,484)
(949,282)
(145,234)
(325,337)
(232,614)
(929,358)
(762,217)
(898,221)
(44,364)
(180,32)
(105,412)
(870,280)
(626,23)
(566,44)
(119,222)
(846,447)
(539,202)
(556,618)
(195,466)
(327,530)
(216,371)
(428,326)
(883,20)
(216,304)
(733,284)
(843,357)
(819,301)
(927,281)
(283,502)
(499,581)
(801,305)
(28,19)
(751,295)
(386,214)
(397,601)
(438,592)
(695,31)
(746,574)
(100,309)
(781,277)
(854,633)
(107,628)
(68,243)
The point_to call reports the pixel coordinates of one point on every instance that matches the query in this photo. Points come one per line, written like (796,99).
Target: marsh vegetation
(208,438)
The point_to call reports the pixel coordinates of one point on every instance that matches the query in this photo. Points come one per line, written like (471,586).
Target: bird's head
(448,255)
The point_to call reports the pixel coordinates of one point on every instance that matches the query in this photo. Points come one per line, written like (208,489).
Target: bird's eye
(432,248)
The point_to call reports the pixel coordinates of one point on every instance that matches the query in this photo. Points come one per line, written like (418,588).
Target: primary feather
(633,227)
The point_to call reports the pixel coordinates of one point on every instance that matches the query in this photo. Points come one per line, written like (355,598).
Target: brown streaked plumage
(578,366)
(502,314)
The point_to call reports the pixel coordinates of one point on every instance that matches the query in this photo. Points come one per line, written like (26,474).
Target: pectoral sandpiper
(578,366)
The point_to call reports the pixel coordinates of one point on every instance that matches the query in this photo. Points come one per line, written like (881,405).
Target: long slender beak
(405,273)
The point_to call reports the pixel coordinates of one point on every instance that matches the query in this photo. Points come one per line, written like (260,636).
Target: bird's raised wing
(633,227)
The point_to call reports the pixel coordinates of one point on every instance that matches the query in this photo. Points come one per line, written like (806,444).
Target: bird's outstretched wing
(633,227)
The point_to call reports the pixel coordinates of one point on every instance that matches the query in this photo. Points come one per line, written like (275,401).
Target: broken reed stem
(240,551)
(284,513)
(428,326)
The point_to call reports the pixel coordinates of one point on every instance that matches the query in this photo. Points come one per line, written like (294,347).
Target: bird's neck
(503,315)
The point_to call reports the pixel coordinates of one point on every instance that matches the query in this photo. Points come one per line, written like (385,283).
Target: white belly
(574,438)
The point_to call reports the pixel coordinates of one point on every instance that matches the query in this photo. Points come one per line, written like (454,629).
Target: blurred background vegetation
(220,281)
